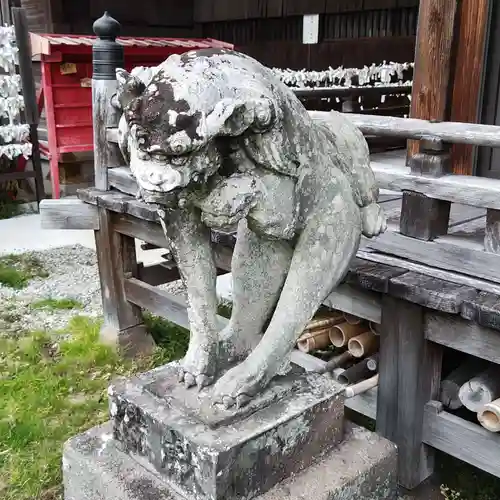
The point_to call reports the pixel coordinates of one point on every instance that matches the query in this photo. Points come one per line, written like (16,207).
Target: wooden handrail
(411,128)
(352,91)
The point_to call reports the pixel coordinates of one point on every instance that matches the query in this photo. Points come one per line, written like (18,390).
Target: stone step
(208,452)
(363,467)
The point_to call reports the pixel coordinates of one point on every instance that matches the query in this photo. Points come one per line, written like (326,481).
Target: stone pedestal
(164,441)
(206,452)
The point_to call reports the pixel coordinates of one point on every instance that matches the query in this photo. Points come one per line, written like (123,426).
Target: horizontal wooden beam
(461,439)
(454,277)
(361,303)
(442,255)
(157,274)
(68,213)
(413,128)
(464,189)
(121,178)
(462,335)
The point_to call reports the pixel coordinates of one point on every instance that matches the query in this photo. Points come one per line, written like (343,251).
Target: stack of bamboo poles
(475,386)
(350,346)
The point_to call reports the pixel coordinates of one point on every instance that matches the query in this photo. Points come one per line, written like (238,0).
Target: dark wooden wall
(352,32)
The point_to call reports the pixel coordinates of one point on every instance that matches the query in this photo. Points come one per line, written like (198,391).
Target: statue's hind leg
(259,269)
(320,260)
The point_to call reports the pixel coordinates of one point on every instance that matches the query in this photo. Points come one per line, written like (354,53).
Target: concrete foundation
(362,467)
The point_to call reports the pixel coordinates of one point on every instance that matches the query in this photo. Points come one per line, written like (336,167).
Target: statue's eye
(159,156)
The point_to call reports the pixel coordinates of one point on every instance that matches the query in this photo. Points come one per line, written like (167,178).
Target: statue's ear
(129,87)
(233,117)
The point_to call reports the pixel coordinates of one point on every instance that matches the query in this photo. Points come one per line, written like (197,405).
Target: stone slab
(207,452)
(361,467)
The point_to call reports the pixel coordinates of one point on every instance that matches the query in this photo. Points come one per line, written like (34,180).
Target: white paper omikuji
(376,75)
(14,133)
(12,151)
(14,137)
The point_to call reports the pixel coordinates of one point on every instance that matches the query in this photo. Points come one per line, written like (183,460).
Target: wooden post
(123,322)
(409,376)
(423,217)
(29,93)
(433,62)
(468,75)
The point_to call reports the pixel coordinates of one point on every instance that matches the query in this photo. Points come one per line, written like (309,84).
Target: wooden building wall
(352,32)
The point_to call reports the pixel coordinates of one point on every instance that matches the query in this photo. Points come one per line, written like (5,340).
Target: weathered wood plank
(422,217)
(417,377)
(157,274)
(123,323)
(467,190)
(387,405)
(492,232)
(364,404)
(454,277)
(161,303)
(362,303)
(461,439)
(470,58)
(441,255)
(484,309)
(371,275)
(433,61)
(429,292)
(68,213)
(413,128)
(462,335)
(121,178)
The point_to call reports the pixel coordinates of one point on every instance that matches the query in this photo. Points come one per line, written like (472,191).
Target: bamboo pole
(481,390)
(372,363)
(322,322)
(317,339)
(489,416)
(352,320)
(338,361)
(450,387)
(362,387)
(355,373)
(363,345)
(374,327)
(340,334)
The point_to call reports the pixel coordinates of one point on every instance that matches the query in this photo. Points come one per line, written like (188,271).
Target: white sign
(310,33)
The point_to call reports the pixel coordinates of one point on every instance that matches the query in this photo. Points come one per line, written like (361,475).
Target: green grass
(16,271)
(57,304)
(49,393)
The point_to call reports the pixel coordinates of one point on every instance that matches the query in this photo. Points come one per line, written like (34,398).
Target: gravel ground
(73,274)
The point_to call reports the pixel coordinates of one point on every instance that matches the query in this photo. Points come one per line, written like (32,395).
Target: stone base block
(362,467)
(208,453)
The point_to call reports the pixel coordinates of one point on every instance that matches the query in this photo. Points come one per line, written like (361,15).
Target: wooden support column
(433,62)
(467,85)
(409,377)
(123,324)
(422,217)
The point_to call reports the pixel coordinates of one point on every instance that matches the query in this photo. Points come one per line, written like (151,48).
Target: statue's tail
(354,155)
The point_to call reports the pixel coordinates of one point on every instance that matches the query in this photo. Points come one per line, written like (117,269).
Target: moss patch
(57,304)
(16,271)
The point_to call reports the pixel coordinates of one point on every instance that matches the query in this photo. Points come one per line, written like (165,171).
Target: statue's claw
(228,402)
(240,384)
(242,400)
(189,380)
(203,380)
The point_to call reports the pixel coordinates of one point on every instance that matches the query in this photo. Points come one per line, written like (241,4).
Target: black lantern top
(106,27)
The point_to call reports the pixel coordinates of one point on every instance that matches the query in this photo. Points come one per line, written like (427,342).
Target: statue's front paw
(239,385)
(373,220)
(199,366)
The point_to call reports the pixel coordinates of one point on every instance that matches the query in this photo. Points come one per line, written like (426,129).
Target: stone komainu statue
(217,141)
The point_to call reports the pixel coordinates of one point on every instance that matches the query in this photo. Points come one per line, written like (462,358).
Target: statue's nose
(155,178)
